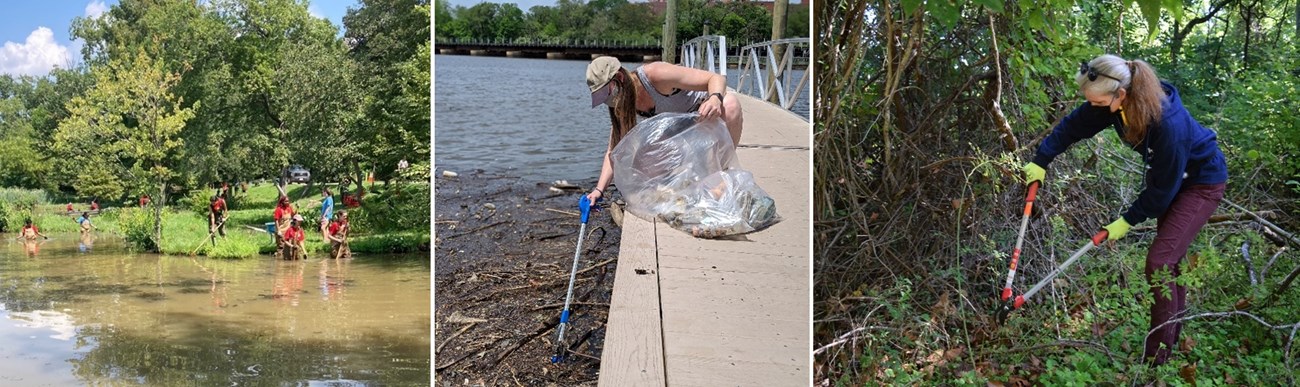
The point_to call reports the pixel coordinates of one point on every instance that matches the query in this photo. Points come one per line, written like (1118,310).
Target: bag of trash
(684,172)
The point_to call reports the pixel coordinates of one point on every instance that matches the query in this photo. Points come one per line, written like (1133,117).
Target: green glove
(1033,173)
(1117,229)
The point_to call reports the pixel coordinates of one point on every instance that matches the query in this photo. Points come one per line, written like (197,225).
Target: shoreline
(503,250)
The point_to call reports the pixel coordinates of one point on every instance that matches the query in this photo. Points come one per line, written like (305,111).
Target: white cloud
(95,8)
(37,56)
(315,12)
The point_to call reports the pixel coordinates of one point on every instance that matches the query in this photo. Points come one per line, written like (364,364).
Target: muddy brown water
(76,313)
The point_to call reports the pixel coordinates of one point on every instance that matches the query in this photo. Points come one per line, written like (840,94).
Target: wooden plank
(737,361)
(736,312)
(633,353)
(768,124)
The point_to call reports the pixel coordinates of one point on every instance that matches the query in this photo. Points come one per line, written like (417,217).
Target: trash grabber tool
(584,204)
(1020,241)
(1009,306)
(211,235)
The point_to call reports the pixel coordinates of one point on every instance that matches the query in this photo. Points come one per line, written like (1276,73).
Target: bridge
(632,51)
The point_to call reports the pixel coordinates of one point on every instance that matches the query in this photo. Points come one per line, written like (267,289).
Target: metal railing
(763,72)
(708,53)
(550,42)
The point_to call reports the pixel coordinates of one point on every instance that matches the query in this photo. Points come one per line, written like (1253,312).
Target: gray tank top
(680,101)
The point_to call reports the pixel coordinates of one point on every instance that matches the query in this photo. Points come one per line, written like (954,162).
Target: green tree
(123,132)
(384,34)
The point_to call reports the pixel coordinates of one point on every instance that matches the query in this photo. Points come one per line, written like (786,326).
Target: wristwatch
(717,94)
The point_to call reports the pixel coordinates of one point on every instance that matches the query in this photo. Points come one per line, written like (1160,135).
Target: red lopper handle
(1100,236)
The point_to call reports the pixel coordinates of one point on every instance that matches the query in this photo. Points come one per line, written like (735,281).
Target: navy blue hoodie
(1174,146)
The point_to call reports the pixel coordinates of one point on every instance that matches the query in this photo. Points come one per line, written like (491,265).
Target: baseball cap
(599,73)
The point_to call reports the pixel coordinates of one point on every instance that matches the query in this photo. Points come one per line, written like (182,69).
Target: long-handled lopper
(1020,241)
(584,204)
(1010,305)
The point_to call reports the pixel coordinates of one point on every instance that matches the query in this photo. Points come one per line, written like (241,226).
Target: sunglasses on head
(1084,68)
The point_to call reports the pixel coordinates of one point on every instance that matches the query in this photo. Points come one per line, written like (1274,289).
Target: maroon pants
(1175,231)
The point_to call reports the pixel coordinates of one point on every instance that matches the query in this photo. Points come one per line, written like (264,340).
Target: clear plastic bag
(684,172)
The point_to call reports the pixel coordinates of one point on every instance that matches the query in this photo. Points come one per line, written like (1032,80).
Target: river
(76,312)
(529,118)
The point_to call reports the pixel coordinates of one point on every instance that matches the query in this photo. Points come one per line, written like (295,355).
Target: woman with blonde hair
(1185,173)
(654,88)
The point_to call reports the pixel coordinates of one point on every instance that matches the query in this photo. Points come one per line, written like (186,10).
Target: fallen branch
(1250,267)
(1261,220)
(1282,286)
(1065,343)
(570,213)
(547,281)
(844,338)
(478,229)
(1225,314)
(1279,252)
(553,306)
(453,336)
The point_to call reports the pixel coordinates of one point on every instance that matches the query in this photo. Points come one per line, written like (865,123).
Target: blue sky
(34,36)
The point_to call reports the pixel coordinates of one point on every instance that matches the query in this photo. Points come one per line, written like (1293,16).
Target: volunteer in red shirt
(217,216)
(294,241)
(283,214)
(338,237)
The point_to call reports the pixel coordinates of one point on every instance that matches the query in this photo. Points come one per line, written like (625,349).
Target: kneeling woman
(1184,181)
(651,89)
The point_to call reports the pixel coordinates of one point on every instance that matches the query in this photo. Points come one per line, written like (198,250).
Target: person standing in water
(295,246)
(86,225)
(1185,176)
(338,237)
(651,89)
(283,214)
(30,231)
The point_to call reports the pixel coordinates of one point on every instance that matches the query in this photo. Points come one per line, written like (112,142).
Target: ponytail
(622,115)
(1143,105)
(1145,102)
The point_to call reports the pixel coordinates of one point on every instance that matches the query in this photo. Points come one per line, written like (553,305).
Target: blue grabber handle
(584,204)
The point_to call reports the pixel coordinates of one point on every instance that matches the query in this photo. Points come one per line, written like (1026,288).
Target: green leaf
(946,11)
(1151,11)
(993,5)
(1253,154)
(909,6)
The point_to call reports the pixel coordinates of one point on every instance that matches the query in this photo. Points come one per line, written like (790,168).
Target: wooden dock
(699,312)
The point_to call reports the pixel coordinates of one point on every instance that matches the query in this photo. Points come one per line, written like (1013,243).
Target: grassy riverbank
(389,221)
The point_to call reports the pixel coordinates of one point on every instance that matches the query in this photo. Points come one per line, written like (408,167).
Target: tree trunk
(669,51)
(778,51)
(157,216)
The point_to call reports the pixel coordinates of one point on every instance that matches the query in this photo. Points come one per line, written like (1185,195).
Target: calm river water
(76,313)
(523,117)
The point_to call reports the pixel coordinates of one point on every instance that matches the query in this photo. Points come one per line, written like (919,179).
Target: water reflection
(101,316)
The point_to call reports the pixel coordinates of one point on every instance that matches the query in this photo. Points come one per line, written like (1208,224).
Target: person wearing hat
(651,89)
(295,246)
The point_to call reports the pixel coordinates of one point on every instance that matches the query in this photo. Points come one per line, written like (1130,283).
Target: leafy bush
(136,226)
(404,207)
(390,243)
